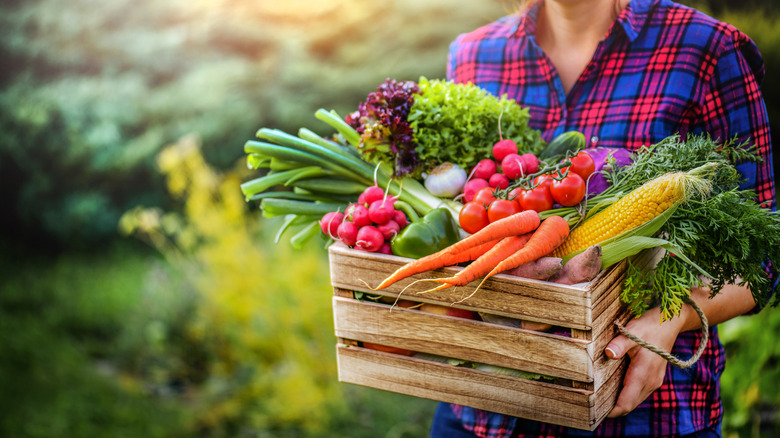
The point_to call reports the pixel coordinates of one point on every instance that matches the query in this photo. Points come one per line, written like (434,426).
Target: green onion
(280,207)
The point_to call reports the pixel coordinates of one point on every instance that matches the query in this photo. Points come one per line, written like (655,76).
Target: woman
(626,74)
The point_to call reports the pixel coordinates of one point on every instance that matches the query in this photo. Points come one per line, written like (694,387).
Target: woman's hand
(646,370)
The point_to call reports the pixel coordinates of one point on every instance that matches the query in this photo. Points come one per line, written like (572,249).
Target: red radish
(371,194)
(386,249)
(347,232)
(360,216)
(389,229)
(472,187)
(330,223)
(400,218)
(484,169)
(381,211)
(348,211)
(512,166)
(369,239)
(503,148)
(499,181)
(530,163)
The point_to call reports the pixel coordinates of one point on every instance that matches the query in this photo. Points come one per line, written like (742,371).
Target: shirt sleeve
(733,108)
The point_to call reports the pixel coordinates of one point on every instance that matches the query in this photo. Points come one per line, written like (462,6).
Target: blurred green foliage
(263,318)
(214,336)
(751,383)
(91,91)
(76,334)
(215,339)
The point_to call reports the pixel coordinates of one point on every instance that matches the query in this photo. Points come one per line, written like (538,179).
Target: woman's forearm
(730,302)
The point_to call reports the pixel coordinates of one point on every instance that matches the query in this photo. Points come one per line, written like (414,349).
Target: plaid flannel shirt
(662,69)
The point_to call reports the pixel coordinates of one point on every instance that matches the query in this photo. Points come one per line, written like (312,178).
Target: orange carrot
(514,225)
(435,261)
(550,235)
(506,247)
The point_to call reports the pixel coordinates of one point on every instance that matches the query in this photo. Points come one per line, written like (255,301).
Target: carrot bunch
(502,245)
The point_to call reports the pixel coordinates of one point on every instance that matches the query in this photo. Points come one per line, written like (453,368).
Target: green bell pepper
(427,235)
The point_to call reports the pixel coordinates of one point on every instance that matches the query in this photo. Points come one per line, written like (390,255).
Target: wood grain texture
(511,396)
(533,300)
(589,310)
(465,339)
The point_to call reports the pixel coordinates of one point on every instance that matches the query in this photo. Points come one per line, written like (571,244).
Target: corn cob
(637,207)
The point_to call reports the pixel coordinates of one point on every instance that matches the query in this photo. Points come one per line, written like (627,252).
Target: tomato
(473,217)
(543,181)
(583,165)
(501,208)
(538,199)
(569,191)
(485,195)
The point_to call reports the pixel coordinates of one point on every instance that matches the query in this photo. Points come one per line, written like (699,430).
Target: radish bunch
(369,224)
(506,165)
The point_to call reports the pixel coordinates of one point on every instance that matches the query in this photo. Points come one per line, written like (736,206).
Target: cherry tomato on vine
(568,191)
(473,217)
(543,181)
(583,165)
(538,199)
(501,208)
(485,195)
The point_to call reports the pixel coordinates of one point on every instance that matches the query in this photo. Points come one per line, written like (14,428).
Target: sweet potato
(539,269)
(581,268)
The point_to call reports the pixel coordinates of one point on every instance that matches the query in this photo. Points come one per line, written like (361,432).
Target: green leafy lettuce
(459,123)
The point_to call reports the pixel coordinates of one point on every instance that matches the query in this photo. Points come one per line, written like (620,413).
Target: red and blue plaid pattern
(687,402)
(662,69)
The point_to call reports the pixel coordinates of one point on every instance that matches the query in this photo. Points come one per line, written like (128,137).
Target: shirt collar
(632,19)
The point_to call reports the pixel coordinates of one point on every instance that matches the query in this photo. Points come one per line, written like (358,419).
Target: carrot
(514,225)
(506,247)
(435,261)
(550,235)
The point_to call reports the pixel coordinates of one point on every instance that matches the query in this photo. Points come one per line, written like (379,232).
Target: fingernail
(610,353)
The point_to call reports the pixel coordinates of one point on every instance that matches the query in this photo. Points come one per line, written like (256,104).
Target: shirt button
(594,140)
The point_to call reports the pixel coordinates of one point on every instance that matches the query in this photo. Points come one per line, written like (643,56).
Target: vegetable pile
(446,174)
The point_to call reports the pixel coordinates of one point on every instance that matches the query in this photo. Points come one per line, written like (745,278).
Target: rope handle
(705,332)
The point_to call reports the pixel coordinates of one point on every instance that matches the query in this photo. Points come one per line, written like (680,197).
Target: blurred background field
(140,296)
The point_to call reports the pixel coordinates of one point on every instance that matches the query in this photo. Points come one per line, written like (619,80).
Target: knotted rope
(705,332)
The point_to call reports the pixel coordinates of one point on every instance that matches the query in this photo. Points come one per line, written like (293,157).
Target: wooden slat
(533,300)
(585,335)
(465,339)
(590,310)
(511,396)
(607,392)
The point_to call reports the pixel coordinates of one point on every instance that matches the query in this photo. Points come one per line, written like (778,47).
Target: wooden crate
(583,383)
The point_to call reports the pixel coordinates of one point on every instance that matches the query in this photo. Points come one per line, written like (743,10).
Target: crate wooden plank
(511,396)
(540,301)
(460,338)
(589,381)
(612,373)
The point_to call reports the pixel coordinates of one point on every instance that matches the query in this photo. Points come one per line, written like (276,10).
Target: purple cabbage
(598,182)
(384,130)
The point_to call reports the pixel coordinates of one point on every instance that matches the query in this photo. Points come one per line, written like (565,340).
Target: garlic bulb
(446,180)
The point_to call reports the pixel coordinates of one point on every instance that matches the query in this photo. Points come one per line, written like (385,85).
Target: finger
(618,347)
(631,395)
